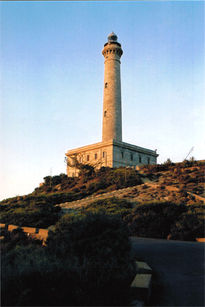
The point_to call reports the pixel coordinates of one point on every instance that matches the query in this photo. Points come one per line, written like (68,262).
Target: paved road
(178,270)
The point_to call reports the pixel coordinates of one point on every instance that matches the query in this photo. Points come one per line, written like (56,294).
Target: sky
(51,91)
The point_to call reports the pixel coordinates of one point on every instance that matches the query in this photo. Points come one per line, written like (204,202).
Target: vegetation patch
(29,211)
(170,182)
(87,258)
(87,261)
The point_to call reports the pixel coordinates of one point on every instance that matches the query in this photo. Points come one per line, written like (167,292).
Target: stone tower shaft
(112,114)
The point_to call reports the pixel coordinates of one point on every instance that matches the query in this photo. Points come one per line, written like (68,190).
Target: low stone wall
(37,233)
(200,240)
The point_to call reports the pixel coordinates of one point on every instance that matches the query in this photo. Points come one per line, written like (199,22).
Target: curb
(141,285)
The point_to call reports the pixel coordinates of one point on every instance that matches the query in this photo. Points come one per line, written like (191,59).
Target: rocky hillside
(179,184)
(173,183)
(185,177)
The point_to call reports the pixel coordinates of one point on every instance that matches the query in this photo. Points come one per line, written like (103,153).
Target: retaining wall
(37,233)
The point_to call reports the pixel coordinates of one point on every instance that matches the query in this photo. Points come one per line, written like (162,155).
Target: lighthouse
(111,151)
(112,111)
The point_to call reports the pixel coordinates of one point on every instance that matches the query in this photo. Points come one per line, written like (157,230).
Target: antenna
(50,176)
(189,152)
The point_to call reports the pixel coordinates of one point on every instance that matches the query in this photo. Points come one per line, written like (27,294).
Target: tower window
(104,153)
(106,85)
(148,160)
(96,156)
(88,157)
(122,154)
(140,159)
(131,156)
(105,112)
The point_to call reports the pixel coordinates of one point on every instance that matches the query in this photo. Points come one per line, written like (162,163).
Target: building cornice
(135,148)
(112,143)
(89,147)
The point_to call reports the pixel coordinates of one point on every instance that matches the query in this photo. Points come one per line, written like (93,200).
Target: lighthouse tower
(112,151)
(112,114)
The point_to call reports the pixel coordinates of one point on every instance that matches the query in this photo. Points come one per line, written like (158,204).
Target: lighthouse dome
(112,37)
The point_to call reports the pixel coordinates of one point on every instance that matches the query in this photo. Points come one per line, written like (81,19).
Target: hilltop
(185,177)
(180,183)
(167,186)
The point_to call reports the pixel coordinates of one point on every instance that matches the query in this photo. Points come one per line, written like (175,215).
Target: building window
(88,157)
(96,156)
(122,154)
(148,160)
(131,156)
(106,85)
(140,159)
(104,153)
(105,112)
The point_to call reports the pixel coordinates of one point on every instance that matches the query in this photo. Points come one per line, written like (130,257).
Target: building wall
(123,156)
(98,157)
(111,155)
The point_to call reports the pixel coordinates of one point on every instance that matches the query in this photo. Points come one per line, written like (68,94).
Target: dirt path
(148,191)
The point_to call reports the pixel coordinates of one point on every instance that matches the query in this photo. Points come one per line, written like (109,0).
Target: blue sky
(52,81)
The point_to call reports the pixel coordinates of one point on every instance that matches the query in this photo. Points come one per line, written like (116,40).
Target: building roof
(112,37)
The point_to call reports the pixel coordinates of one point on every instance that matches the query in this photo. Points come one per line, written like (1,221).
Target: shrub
(50,183)
(168,162)
(30,277)
(122,177)
(101,245)
(91,187)
(187,228)
(85,234)
(153,219)
(162,187)
(111,206)
(165,219)
(32,211)
(87,171)
(86,262)
(16,237)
